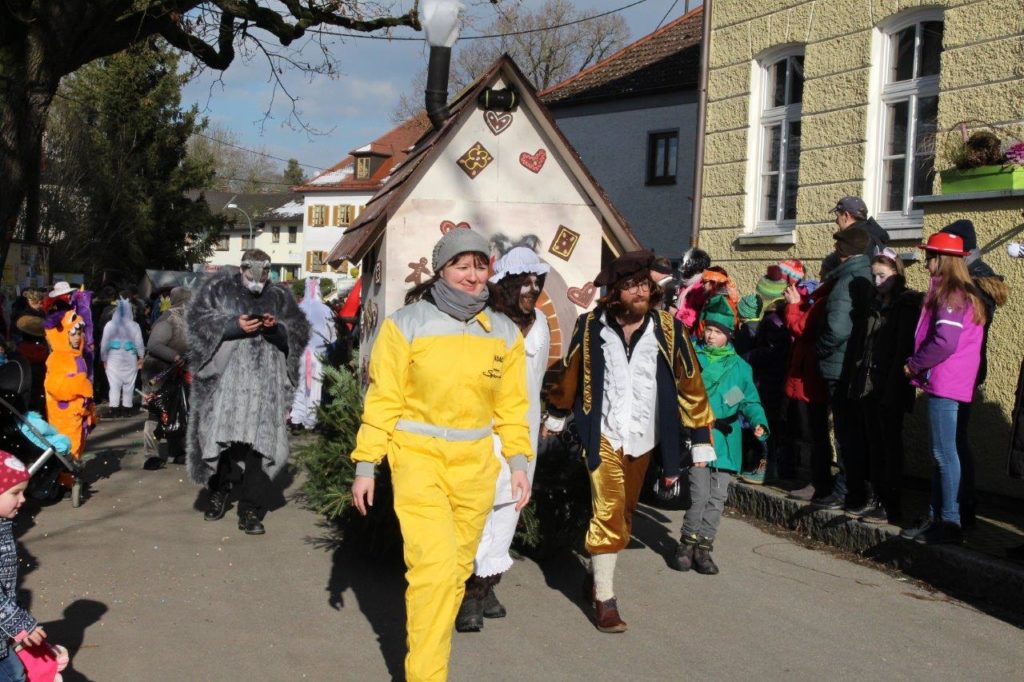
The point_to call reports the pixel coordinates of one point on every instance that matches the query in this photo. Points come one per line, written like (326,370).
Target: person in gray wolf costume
(246,338)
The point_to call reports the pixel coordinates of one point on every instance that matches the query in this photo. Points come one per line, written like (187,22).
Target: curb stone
(965,573)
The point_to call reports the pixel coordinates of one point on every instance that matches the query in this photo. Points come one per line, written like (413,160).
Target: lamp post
(252,244)
(440,21)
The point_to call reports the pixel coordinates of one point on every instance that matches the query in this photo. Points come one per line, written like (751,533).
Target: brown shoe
(606,615)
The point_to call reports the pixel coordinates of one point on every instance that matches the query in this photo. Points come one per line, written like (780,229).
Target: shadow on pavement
(70,631)
(378,585)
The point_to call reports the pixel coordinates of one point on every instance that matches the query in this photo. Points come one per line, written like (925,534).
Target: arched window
(776,105)
(904,123)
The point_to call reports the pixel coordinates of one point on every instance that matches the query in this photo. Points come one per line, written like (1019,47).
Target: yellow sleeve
(385,399)
(511,405)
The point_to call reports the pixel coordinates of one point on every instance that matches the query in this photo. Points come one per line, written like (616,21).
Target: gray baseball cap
(458,240)
(854,205)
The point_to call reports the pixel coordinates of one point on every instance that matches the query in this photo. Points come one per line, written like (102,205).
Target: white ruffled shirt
(629,409)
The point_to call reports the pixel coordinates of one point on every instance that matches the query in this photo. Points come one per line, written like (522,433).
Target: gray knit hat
(459,240)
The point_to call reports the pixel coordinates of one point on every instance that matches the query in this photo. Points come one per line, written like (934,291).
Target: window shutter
(334,215)
(310,216)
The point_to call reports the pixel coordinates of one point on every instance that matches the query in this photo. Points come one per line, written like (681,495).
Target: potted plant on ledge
(982,163)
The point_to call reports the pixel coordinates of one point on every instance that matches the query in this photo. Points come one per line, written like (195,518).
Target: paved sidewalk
(139,587)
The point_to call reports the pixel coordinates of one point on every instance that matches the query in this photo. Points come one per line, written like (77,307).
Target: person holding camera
(246,339)
(632,382)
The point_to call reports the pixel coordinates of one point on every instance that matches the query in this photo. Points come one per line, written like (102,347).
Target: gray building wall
(611,137)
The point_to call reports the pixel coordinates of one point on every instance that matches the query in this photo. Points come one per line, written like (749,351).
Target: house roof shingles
(394,146)
(666,60)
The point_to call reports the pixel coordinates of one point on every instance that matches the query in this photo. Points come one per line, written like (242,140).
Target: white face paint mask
(255,274)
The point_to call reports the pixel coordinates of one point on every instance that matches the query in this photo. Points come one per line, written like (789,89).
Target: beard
(527,302)
(632,310)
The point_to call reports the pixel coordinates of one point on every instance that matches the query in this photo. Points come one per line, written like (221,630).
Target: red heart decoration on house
(498,123)
(447,226)
(534,162)
(582,296)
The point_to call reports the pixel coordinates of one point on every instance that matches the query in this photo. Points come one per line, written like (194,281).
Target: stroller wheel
(76,494)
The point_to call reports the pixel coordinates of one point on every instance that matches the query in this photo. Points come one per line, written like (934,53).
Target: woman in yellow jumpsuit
(445,374)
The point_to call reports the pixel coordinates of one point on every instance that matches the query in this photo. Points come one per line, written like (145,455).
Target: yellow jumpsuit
(439,388)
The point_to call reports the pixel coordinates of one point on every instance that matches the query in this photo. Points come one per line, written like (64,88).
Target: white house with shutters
(333,199)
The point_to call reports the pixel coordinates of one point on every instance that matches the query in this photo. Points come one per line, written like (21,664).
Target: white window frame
(908,222)
(762,116)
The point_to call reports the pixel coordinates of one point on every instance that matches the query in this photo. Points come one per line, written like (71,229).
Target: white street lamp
(235,206)
(440,21)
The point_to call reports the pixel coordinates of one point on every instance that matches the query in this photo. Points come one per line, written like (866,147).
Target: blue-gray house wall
(611,137)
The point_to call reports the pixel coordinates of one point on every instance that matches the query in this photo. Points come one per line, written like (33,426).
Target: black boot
(683,559)
(702,561)
(492,608)
(217,507)
(250,523)
(153,463)
(471,613)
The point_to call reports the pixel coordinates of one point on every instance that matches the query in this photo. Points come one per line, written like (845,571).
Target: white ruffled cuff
(555,424)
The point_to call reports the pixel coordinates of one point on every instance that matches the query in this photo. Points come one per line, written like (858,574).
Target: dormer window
(363,168)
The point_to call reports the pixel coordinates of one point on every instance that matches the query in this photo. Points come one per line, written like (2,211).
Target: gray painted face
(255,274)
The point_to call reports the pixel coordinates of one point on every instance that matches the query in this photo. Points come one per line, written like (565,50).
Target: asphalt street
(139,587)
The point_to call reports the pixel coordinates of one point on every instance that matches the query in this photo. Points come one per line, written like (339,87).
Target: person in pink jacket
(947,355)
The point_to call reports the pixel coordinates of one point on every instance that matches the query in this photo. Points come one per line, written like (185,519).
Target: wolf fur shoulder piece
(241,387)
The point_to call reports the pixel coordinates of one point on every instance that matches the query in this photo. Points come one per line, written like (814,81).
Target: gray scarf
(457,303)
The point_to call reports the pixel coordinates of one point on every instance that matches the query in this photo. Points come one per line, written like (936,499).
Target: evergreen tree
(114,194)
(293,174)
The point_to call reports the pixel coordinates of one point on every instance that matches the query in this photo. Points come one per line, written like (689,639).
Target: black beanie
(965,230)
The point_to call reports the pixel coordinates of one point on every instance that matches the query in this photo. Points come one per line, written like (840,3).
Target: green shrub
(557,516)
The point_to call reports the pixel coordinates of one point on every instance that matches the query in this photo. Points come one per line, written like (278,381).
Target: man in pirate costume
(632,382)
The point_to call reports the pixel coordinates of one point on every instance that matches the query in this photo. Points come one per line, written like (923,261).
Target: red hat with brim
(945,243)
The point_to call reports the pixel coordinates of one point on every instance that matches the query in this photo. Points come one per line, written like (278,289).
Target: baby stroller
(31,439)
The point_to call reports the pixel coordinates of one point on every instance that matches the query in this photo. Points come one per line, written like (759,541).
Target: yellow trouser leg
(615,490)
(443,493)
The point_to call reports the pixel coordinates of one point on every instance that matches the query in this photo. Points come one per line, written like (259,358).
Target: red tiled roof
(394,146)
(668,59)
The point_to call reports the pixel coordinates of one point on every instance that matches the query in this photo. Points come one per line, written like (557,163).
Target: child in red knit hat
(26,644)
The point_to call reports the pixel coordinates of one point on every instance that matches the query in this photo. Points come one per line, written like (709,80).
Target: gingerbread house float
(504,170)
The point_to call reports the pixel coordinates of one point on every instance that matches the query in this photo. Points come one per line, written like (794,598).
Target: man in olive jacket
(841,333)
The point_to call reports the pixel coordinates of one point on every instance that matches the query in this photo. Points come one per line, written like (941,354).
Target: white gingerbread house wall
(503,175)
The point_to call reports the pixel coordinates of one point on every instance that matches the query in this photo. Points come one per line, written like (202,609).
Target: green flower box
(982,179)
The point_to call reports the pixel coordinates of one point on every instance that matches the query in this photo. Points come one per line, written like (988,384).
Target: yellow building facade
(812,100)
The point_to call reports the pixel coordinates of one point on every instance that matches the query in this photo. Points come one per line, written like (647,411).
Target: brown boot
(606,615)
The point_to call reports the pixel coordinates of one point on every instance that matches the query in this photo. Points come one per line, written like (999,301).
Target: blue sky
(355,106)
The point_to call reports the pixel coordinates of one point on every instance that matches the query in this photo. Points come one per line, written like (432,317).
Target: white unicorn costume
(322,333)
(120,350)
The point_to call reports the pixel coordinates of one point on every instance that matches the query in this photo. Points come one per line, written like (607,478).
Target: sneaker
(859,510)
(877,515)
(805,494)
(831,501)
(755,477)
(920,529)
(941,533)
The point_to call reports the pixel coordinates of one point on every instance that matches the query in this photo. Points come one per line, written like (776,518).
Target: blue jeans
(11,669)
(942,418)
